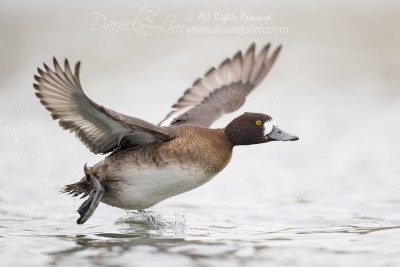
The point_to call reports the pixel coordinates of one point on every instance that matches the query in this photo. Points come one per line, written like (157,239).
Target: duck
(146,163)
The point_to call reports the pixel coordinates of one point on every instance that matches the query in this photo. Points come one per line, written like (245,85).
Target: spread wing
(222,90)
(102,130)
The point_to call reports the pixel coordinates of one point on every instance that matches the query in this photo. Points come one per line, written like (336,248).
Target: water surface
(330,199)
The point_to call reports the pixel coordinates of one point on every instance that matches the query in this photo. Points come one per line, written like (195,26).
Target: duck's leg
(89,206)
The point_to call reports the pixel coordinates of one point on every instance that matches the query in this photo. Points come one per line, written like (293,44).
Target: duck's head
(255,128)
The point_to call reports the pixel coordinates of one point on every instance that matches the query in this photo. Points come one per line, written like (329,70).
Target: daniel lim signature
(144,23)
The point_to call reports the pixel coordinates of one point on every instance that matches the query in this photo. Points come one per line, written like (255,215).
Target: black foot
(89,206)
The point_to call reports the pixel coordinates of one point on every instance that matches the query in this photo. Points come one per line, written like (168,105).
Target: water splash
(153,222)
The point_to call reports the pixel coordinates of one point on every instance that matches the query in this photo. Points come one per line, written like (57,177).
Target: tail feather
(82,187)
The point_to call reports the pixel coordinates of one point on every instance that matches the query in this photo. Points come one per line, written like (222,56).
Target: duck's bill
(279,135)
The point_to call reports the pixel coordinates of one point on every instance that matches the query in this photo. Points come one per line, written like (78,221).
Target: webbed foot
(89,206)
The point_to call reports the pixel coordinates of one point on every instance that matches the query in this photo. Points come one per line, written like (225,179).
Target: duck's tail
(82,187)
(76,189)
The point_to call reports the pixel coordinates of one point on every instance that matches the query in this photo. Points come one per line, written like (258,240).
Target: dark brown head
(255,128)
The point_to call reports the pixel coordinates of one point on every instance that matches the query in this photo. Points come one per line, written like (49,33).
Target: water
(329,199)
(231,240)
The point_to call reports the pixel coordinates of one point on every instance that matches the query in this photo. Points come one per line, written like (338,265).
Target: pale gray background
(330,199)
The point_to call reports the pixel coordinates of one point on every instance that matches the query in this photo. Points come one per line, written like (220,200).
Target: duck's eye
(258,122)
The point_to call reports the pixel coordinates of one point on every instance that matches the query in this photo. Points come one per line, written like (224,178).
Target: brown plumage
(149,163)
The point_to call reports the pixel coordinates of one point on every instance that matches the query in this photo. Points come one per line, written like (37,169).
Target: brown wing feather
(100,129)
(222,90)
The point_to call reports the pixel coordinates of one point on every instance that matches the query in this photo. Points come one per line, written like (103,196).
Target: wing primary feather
(258,63)
(248,63)
(268,63)
(77,79)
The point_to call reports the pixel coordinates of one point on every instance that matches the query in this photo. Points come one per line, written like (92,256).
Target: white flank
(143,188)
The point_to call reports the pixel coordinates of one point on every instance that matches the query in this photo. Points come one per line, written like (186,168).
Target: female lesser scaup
(150,163)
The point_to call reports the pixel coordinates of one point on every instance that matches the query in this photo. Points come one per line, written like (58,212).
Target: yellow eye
(258,122)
